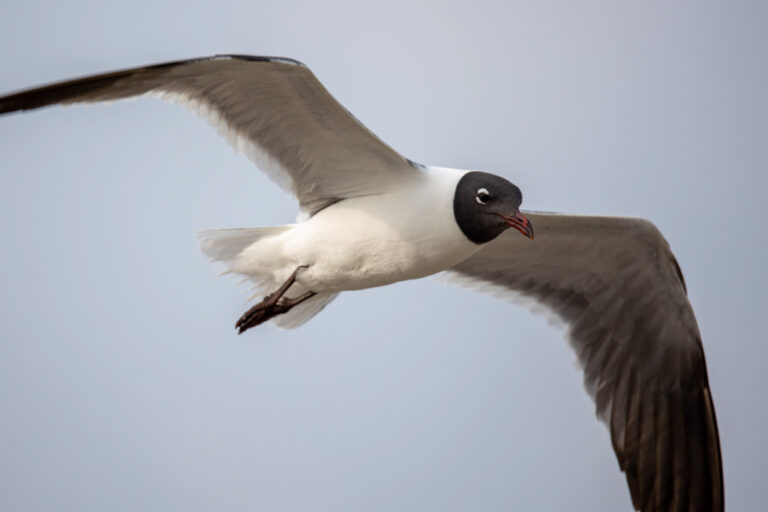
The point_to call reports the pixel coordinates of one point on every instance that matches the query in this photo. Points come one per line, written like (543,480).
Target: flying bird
(370,217)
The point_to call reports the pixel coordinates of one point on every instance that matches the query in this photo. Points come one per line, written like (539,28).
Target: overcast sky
(123,385)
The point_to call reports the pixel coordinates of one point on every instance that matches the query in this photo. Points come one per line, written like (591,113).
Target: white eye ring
(482,196)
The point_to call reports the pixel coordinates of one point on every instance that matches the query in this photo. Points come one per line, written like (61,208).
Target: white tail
(225,245)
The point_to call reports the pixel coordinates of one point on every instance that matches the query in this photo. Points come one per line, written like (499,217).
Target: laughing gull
(371,217)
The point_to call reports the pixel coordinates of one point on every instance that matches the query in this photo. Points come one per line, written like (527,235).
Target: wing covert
(273,109)
(617,286)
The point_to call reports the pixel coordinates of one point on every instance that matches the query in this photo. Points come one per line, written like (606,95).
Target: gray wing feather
(617,286)
(273,109)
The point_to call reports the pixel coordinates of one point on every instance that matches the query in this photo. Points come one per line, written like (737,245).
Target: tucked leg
(272,305)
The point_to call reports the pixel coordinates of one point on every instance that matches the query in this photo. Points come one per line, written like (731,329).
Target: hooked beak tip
(520,222)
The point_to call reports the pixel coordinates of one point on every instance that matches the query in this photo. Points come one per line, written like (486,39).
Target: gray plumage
(613,281)
(271,108)
(616,284)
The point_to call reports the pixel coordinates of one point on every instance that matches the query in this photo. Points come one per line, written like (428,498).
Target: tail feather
(225,244)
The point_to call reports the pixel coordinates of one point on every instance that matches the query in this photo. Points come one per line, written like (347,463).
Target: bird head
(485,205)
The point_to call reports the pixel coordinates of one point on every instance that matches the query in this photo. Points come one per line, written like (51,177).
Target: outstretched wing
(616,284)
(273,109)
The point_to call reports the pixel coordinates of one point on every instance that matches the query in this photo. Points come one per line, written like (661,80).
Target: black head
(485,205)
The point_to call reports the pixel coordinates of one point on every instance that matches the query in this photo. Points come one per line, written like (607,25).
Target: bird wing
(273,109)
(617,286)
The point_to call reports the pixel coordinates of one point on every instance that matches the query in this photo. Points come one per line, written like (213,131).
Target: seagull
(370,217)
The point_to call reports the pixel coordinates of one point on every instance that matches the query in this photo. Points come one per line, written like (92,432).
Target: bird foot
(272,305)
(268,309)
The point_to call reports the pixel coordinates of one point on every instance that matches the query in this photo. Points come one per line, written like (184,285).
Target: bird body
(367,241)
(356,243)
(372,217)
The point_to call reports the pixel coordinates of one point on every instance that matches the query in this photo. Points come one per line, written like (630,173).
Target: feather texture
(617,286)
(270,108)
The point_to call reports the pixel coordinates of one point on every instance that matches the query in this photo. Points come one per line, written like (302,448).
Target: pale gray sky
(123,385)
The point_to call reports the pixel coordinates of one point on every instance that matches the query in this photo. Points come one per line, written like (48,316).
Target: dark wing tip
(668,446)
(55,93)
(80,88)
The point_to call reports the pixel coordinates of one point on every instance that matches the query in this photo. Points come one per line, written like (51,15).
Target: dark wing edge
(93,87)
(618,287)
(272,109)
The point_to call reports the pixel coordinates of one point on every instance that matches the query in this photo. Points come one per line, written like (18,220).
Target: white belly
(371,241)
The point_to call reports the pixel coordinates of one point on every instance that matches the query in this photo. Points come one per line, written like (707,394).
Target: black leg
(271,305)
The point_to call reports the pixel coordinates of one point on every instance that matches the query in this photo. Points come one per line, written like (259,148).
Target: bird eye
(482,196)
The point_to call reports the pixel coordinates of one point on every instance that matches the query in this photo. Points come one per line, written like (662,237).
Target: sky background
(123,385)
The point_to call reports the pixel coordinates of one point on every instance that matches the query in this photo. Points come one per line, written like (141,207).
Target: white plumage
(372,217)
(358,243)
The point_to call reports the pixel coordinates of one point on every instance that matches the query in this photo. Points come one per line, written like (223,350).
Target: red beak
(520,222)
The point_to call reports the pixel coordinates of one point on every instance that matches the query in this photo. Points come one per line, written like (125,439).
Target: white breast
(376,240)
